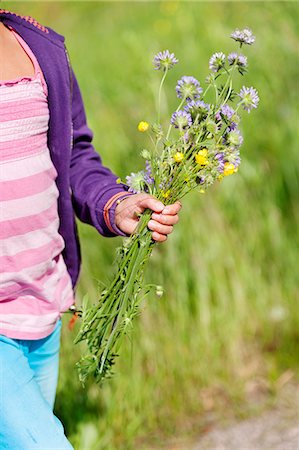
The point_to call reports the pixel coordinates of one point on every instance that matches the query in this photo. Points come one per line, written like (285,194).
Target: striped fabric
(35,286)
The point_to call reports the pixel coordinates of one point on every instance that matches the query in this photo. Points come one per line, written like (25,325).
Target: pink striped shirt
(35,286)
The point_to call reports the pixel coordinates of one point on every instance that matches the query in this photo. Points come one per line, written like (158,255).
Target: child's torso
(34,283)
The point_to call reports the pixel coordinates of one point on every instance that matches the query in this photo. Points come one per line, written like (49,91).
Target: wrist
(110,212)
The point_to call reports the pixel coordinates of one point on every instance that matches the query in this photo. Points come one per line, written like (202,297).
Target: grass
(230,314)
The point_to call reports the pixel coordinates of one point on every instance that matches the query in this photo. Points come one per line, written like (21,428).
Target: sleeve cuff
(109,212)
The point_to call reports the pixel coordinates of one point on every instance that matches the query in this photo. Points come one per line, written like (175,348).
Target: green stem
(134,267)
(159,95)
(229,79)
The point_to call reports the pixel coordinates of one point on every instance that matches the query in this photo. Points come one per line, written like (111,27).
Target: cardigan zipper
(71,91)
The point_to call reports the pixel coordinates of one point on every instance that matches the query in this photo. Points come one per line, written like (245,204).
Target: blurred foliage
(229,317)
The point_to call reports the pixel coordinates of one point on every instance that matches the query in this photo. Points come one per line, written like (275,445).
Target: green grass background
(226,331)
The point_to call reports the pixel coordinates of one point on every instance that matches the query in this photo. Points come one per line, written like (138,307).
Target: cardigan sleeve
(92,184)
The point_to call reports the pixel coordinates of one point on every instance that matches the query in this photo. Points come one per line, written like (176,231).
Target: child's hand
(162,221)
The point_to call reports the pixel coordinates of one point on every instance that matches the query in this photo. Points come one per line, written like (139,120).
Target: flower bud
(145,154)
(143,126)
(234,138)
(159,291)
(211,126)
(178,157)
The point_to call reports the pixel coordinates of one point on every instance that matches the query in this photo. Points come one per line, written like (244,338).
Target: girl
(49,170)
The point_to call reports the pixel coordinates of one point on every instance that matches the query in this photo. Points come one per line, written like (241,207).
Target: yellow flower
(166,194)
(201,157)
(178,157)
(229,169)
(143,126)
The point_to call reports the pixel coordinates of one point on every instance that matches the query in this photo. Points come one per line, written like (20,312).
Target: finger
(172,209)
(158,237)
(162,229)
(151,203)
(165,220)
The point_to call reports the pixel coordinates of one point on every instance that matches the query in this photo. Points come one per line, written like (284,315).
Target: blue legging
(28,380)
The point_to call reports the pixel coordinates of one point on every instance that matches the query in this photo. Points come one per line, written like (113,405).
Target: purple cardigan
(84,184)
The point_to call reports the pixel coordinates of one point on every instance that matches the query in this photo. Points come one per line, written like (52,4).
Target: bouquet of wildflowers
(200,145)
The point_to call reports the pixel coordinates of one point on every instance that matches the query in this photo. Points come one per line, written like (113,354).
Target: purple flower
(244,36)
(188,88)
(249,98)
(218,116)
(227,111)
(197,108)
(217,61)
(164,60)
(135,181)
(229,115)
(181,119)
(240,60)
(220,158)
(232,126)
(148,175)
(234,158)
(139,181)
